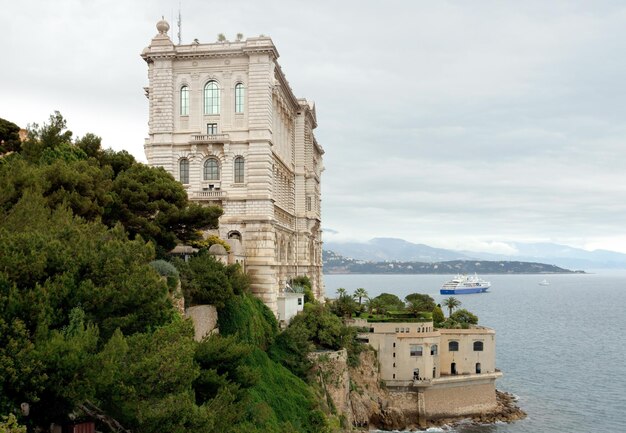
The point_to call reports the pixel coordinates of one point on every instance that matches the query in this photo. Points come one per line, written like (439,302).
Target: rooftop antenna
(180,25)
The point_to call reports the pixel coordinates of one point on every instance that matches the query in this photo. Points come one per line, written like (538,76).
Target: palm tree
(451,303)
(360,293)
(341,292)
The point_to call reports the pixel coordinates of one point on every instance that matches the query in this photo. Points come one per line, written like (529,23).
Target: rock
(393,419)
(362,409)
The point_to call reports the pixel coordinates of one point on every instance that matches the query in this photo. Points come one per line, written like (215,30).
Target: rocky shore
(359,395)
(506,411)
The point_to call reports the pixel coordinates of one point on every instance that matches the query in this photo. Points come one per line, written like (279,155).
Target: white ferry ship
(463,284)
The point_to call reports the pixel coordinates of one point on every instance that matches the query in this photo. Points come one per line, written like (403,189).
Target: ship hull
(463,291)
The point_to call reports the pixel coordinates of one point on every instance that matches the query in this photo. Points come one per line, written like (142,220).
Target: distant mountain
(381,249)
(560,255)
(337,264)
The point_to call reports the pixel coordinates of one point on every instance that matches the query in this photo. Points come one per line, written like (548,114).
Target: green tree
(344,306)
(464,317)
(148,201)
(48,136)
(419,302)
(438,317)
(105,185)
(389,301)
(9,137)
(359,294)
(451,303)
(205,281)
(90,144)
(239,280)
(55,261)
(341,292)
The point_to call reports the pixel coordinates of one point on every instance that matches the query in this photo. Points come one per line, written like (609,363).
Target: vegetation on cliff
(86,320)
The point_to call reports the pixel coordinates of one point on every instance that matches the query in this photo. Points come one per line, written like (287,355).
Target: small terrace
(208,195)
(209,138)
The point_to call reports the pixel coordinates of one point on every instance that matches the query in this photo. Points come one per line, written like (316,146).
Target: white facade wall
(289,305)
(267,210)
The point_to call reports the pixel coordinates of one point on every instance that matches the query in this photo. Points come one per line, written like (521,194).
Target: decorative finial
(163,26)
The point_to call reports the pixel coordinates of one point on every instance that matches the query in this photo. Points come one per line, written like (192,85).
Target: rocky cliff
(359,395)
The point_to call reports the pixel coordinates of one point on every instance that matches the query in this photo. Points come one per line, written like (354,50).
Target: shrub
(167,270)
(210,240)
(9,424)
(205,281)
(164,268)
(438,317)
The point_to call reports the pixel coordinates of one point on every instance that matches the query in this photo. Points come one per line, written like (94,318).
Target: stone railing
(209,138)
(213,194)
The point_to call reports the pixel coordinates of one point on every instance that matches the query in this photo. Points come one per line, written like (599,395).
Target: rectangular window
(397,329)
(416,350)
(433,349)
(309,205)
(211,128)
(184,171)
(299,301)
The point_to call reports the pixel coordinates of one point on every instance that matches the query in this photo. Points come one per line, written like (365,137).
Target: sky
(456,124)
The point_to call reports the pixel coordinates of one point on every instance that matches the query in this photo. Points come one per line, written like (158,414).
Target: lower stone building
(452,371)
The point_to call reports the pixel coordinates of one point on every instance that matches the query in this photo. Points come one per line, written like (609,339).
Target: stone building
(225,122)
(451,371)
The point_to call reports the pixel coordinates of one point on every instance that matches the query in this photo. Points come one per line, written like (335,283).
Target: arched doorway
(478,368)
(453,368)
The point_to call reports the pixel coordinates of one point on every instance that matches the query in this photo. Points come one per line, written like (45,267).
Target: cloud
(442,121)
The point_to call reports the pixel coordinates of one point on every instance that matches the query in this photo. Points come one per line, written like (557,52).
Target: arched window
(211,98)
(453,346)
(211,169)
(183,170)
(478,346)
(184,101)
(433,349)
(239,95)
(239,169)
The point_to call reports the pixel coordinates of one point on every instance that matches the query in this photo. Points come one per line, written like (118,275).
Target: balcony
(208,195)
(209,138)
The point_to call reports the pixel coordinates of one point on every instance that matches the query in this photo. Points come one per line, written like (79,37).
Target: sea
(561,347)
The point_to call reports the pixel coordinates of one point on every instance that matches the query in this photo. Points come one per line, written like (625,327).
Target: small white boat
(544,283)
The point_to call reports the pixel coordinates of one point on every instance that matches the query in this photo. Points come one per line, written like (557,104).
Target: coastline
(507,412)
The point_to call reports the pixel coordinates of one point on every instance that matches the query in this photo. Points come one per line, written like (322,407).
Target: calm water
(562,347)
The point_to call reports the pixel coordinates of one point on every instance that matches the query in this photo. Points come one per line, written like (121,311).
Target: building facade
(225,122)
(451,371)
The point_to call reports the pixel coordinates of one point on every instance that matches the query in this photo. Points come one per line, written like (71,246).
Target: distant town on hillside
(337,264)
